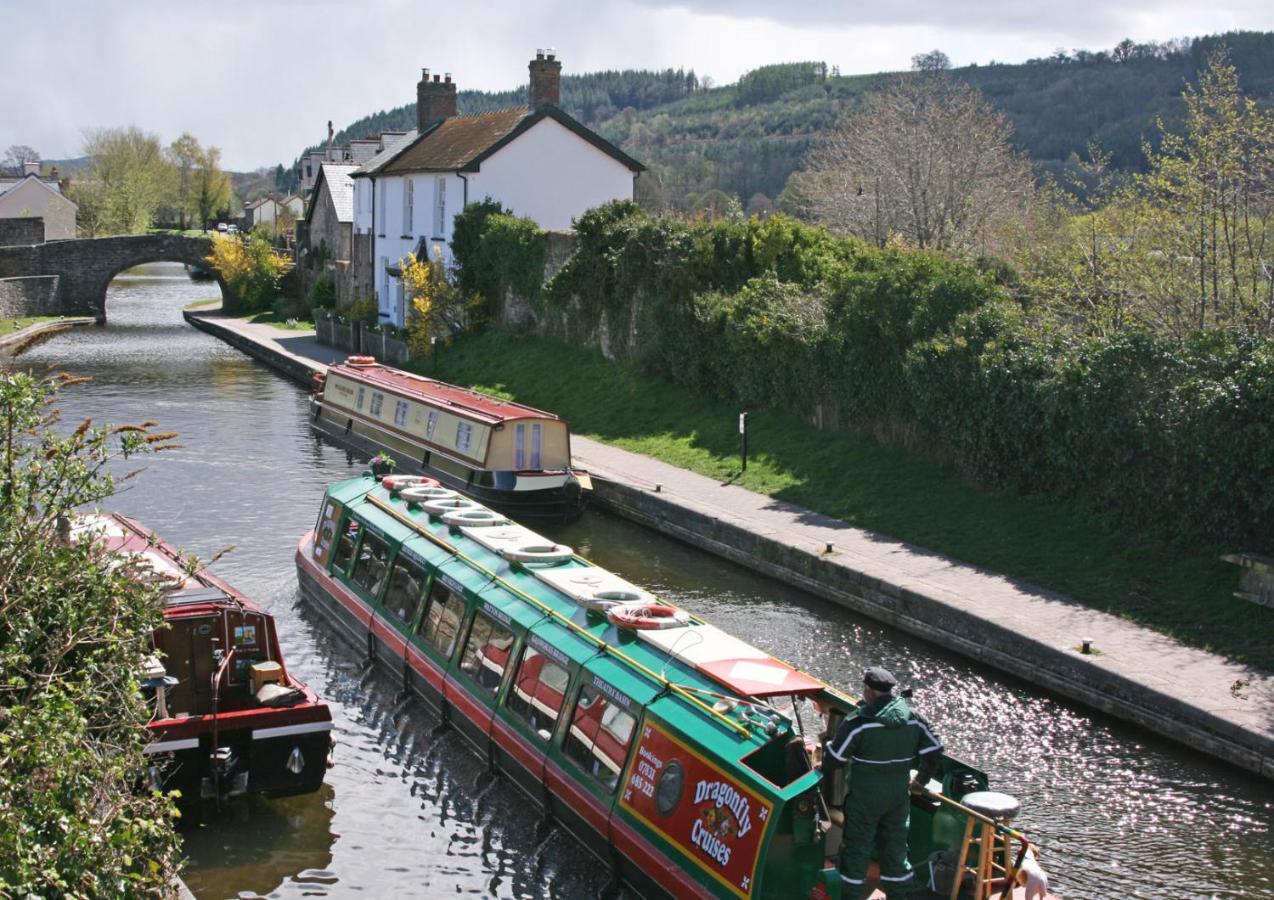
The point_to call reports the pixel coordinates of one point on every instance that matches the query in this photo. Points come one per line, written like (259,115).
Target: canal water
(407,811)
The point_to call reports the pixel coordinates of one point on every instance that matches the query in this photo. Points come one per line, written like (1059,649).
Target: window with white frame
(464,435)
(440,206)
(381,229)
(409,192)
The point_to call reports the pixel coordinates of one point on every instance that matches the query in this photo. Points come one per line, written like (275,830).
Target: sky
(261,78)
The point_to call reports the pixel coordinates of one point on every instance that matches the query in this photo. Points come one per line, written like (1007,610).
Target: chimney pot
(447,78)
(437,78)
(435,100)
(424,74)
(546,78)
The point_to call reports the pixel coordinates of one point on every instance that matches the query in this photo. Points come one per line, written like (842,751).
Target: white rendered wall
(31,199)
(363,205)
(551,175)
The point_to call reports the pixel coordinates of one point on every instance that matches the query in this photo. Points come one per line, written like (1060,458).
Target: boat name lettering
(374,530)
(543,646)
(709,843)
(414,556)
(451,583)
(611,692)
(645,772)
(721,794)
(498,614)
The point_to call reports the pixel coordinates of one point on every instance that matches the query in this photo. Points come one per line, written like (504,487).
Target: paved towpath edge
(1202,700)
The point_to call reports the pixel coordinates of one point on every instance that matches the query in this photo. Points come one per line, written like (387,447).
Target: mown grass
(882,488)
(201,304)
(9,326)
(272,319)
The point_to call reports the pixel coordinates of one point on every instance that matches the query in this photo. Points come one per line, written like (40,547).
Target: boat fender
(360,360)
(605,601)
(317,382)
(647,616)
(417,494)
(474,517)
(539,553)
(440,506)
(1031,874)
(396,483)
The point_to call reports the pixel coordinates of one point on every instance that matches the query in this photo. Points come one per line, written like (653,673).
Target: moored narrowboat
(228,717)
(680,756)
(509,456)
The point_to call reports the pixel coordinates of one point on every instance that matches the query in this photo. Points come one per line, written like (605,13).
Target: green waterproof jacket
(885,737)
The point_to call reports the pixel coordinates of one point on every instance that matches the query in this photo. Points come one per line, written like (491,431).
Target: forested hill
(746,139)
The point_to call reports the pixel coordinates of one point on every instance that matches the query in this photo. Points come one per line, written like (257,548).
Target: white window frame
(464,435)
(440,206)
(409,197)
(381,230)
(536,429)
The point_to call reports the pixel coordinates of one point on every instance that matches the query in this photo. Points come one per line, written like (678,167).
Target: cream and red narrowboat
(228,718)
(512,457)
(677,754)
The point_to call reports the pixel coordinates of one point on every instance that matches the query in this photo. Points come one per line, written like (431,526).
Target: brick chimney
(435,99)
(546,79)
(31,168)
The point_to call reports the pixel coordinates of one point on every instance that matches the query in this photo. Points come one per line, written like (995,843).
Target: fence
(367,340)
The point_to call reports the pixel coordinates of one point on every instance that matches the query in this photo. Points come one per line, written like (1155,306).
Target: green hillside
(746,139)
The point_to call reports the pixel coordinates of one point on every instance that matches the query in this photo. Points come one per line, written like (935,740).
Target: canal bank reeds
(880,487)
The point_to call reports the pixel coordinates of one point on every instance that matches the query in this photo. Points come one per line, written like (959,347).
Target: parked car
(223,227)
(233,229)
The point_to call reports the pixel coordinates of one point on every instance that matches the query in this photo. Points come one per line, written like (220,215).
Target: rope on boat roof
(603,646)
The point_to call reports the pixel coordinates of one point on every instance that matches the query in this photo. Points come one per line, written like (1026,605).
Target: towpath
(1196,698)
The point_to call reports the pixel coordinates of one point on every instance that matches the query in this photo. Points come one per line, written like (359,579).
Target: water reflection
(410,811)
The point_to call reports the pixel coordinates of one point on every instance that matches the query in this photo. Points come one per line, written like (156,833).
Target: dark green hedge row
(921,349)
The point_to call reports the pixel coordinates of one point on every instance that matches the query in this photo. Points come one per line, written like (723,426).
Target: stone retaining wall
(21,231)
(910,609)
(35,296)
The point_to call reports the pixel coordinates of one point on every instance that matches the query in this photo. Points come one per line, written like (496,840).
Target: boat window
(358,403)
(377,400)
(539,691)
(345,546)
(535,445)
(370,563)
(400,413)
(430,424)
(519,446)
(464,435)
(442,619)
(486,653)
(599,736)
(406,587)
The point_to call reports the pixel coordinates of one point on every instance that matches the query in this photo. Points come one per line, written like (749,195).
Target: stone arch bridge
(72,276)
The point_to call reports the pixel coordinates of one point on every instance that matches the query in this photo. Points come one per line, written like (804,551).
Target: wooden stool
(989,875)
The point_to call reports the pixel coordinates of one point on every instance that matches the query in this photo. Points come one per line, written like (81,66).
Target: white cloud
(260,79)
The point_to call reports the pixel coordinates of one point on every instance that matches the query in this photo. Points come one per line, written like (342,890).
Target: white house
(536,161)
(262,211)
(29,195)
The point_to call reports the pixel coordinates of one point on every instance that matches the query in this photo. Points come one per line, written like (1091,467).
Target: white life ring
(474,517)
(415,495)
(539,553)
(605,601)
(647,616)
(440,506)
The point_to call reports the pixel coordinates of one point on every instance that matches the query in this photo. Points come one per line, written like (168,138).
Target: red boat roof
(439,393)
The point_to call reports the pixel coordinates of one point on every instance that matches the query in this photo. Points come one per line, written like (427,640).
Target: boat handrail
(677,689)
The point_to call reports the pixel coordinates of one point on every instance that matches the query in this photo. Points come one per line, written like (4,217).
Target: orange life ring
(646,616)
(399,482)
(360,360)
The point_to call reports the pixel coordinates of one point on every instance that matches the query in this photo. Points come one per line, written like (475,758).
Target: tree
(925,159)
(211,189)
(127,180)
(76,631)
(933,61)
(184,153)
(18,154)
(249,268)
(439,308)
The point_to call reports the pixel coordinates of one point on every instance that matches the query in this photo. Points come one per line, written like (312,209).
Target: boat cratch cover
(717,823)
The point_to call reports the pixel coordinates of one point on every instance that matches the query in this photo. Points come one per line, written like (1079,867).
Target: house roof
(259,202)
(339,186)
(377,162)
(461,143)
(8,184)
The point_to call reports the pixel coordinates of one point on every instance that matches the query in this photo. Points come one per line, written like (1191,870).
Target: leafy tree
(926,159)
(933,61)
(17,154)
(185,154)
(250,268)
(127,181)
(75,631)
(439,308)
(211,191)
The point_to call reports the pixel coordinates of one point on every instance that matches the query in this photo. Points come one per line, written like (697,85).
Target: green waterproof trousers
(877,812)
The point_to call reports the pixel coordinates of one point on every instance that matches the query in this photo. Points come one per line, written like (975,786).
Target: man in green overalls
(881,741)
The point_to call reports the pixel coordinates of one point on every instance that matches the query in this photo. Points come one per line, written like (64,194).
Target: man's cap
(879,679)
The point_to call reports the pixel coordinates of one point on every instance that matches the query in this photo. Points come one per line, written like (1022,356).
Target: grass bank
(203,304)
(9,326)
(273,319)
(878,487)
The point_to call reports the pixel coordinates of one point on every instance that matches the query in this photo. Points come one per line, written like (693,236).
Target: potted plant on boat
(382,464)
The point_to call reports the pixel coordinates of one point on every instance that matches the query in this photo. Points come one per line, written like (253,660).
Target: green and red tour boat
(677,754)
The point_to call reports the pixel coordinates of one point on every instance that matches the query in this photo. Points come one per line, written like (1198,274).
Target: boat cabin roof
(685,675)
(427,390)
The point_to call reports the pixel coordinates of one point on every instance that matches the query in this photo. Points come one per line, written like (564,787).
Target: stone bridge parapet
(85,267)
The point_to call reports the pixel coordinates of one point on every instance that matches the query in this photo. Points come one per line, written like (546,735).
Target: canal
(408,811)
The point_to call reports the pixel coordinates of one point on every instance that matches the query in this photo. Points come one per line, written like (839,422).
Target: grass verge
(9,326)
(1184,594)
(202,304)
(272,319)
